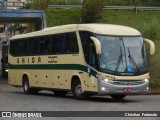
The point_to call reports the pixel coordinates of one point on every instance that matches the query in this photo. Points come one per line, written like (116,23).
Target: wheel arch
(75,78)
(24,76)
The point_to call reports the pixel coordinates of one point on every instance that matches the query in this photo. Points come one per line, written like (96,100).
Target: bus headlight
(106,80)
(146,80)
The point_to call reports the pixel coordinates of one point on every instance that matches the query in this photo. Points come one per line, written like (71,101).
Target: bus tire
(77,90)
(118,96)
(26,87)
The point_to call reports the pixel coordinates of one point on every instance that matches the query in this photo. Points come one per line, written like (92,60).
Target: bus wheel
(26,87)
(77,90)
(118,96)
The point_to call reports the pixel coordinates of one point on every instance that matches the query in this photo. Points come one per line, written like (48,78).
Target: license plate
(127,89)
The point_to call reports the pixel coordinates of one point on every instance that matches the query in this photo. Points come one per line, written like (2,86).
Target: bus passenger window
(14,48)
(25,46)
(35,46)
(56,43)
(71,44)
(46,46)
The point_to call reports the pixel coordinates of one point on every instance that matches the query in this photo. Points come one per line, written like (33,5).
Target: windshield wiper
(119,61)
(132,60)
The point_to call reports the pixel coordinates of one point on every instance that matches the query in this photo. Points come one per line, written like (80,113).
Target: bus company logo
(6,114)
(127,83)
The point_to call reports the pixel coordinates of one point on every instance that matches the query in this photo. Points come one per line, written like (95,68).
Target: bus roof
(107,29)
(110,29)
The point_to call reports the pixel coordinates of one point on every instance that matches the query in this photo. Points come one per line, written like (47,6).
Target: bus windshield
(122,54)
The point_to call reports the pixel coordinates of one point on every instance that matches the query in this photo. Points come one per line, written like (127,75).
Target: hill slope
(123,17)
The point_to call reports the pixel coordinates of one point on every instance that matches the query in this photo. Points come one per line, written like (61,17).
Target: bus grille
(127,82)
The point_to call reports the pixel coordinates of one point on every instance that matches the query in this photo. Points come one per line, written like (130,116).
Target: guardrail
(130,8)
(22,4)
(108,7)
(65,6)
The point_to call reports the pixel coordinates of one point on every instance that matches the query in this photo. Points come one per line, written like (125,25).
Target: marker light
(103,88)
(106,80)
(146,80)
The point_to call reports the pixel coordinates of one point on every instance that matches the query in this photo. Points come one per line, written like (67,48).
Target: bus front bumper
(120,87)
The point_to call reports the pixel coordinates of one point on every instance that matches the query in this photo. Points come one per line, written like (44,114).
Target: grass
(62,16)
(65,2)
(139,20)
(154,67)
(123,17)
(111,2)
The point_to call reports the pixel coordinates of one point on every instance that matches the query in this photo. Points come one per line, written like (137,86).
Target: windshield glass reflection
(122,54)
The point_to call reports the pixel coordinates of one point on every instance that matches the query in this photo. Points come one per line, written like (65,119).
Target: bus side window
(88,48)
(45,45)
(84,40)
(92,55)
(57,44)
(35,46)
(24,46)
(14,48)
(71,44)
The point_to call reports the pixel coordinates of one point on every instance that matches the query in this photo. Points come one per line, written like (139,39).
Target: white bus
(85,59)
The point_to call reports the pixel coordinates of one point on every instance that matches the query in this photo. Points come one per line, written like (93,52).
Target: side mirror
(152,46)
(97,44)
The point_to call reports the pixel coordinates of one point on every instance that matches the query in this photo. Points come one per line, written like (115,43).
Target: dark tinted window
(34,43)
(88,48)
(44,45)
(19,47)
(14,47)
(23,47)
(71,44)
(65,43)
(57,44)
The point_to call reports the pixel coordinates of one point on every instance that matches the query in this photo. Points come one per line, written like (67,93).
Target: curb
(153,92)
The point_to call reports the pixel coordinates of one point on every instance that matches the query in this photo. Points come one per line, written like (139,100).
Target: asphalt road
(13,99)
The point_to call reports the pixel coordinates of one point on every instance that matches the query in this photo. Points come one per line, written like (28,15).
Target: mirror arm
(152,46)
(97,44)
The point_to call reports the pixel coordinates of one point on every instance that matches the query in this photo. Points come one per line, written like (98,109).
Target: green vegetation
(62,16)
(91,10)
(154,66)
(37,4)
(148,26)
(112,2)
(133,2)
(64,2)
(151,30)
(145,21)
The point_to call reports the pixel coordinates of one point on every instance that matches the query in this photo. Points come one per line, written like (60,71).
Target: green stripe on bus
(53,67)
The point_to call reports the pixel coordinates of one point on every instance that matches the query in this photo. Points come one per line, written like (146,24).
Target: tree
(38,4)
(91,10)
